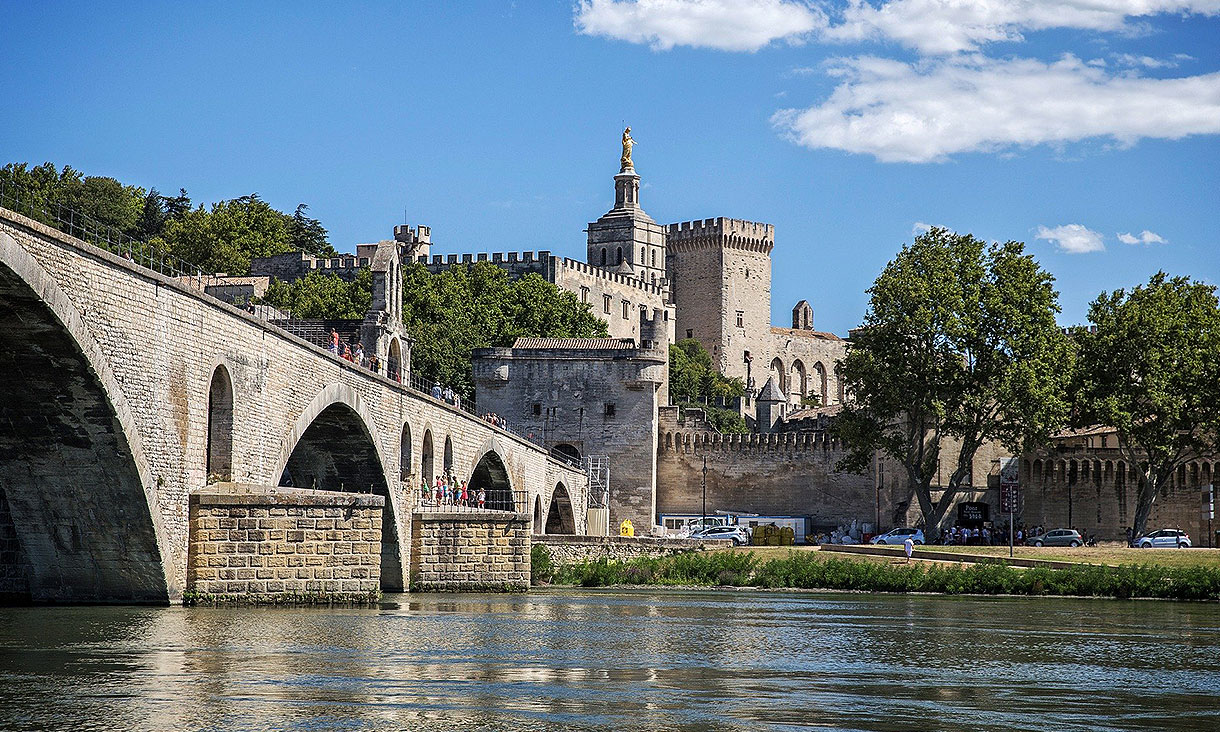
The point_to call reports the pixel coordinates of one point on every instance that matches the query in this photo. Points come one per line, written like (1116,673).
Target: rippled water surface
(585,660)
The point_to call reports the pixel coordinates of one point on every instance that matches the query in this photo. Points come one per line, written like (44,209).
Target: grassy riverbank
(813,570)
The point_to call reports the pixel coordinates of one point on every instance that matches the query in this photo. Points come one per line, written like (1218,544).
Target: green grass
(808,570)
(1110,555)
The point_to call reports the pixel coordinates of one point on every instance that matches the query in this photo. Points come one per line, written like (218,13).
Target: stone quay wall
(470,552)
(255,545)
(577,549)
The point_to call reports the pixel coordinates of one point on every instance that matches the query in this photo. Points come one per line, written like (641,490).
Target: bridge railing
(440,500)
(103,236)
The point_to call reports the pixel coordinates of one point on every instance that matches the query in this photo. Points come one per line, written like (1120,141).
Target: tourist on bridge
(464,498)
(334,341)
(449,395)
(436,391)
(358,356)
(482,496)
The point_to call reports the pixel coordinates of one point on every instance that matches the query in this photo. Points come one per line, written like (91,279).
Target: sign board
(1009,485)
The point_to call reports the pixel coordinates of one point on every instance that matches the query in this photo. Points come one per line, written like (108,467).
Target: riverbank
(816,570)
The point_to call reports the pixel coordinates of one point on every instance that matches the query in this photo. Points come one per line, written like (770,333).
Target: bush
(542,569)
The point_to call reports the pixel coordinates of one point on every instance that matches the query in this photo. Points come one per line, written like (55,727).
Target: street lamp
(703,519)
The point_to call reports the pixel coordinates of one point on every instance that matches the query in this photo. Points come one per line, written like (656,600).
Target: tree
(959,347)
(693,378)
(1151,370)
(308,235)
(152,217)
(319,295)
(451,313)
(228,236)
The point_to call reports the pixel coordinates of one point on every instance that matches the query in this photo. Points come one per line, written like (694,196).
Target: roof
(1085,432)
(829,410)
(771,392)
(818,334)
(590,344)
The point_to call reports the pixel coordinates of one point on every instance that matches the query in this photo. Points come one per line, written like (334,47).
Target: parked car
(899,536)
(1165,538)
(1057,537)
(737,534)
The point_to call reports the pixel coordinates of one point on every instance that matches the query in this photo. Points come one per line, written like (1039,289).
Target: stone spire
(626,240)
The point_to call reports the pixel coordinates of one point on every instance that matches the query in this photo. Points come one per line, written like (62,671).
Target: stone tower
(720,283)
(626,240)
(769,407)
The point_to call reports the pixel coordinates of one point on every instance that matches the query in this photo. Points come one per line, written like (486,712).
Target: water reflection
(624,660)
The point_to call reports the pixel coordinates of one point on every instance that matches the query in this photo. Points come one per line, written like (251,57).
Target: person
(1130,535)
(449,395)
(358,355)
(375,364)
(908,546)
(347,352)
(334,341)
(482,497)
(436,391)
(464,499)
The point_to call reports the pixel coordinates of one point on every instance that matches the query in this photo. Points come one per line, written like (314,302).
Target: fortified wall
(1094,489)
(768,474)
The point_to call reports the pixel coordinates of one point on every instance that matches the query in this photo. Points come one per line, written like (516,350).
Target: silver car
(1057,537)
(1166,538)
(737,534)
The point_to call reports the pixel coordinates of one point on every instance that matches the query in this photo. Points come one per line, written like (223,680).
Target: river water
(614,659)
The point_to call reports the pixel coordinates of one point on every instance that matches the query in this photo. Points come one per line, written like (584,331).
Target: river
(618,659)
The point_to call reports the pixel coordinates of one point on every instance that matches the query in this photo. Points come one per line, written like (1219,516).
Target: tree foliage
(451,313)
(959,346)
(1151,370)
(693,377)
(319,295)
(308,235)
(226,237)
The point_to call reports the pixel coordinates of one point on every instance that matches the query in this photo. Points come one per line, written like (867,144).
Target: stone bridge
(123,392)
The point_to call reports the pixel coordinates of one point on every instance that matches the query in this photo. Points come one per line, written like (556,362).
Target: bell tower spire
(627,240)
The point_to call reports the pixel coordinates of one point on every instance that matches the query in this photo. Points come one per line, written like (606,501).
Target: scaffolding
(597,468)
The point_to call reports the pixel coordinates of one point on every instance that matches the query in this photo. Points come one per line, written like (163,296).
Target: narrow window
(606,304)
(619,259)
(654,257)
(741,318)
(609,409)
(641,255)
(690,333)
(584,295)
(537,410)
(603,256)
(626,309)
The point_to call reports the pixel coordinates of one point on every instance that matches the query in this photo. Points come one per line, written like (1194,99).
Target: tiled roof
(812,412)
(820,335)
(591,344)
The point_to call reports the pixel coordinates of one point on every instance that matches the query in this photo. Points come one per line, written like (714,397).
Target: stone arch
(404,454)
(490,473)
(393,362)
(781,376)
(840,392)
(335,446)
(537,527)
(427,458)
(220,426)
(799,379)
(447,463)
(560,518)
(81,496)
(821,382)
(567,451)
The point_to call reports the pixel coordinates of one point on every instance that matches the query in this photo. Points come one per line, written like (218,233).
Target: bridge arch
(489,472)
(560,518)
(74,476)
(427,457)
(536,527)
(335,446)
(404,455)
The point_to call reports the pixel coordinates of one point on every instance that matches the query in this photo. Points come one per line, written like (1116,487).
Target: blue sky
(847,126)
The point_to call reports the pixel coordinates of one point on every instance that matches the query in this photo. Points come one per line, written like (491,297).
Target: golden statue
(627,145)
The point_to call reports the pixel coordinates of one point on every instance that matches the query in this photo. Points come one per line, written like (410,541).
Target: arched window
(641,255)
(404,453)
(821,382)
(654,257)
(220,426)
(427,464)
(619,259)
(603,256)
(448,455)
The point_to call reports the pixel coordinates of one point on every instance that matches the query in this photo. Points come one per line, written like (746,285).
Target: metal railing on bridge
(103,236)
(438,500)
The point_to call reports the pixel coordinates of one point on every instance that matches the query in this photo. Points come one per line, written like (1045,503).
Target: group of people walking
(448,491)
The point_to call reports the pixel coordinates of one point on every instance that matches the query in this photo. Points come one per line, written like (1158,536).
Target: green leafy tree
(451,313)
(177,206)
(152,217)
(228,236)
(959,347)
(319,295)
(308,235)
(693,379)
(105,201)
(1151,370)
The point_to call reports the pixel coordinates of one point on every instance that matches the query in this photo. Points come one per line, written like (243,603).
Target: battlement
(691,442)
(413,234)
(590,270)
(528,258)
(721,232)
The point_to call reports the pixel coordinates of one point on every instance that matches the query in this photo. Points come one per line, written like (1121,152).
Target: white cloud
(950,26)
(929,110)
(1072,238)
(1148,62)
(725,25)
(928,26)
(920,227)
(1144,237)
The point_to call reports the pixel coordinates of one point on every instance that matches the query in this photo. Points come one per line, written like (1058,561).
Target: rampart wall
(466,552)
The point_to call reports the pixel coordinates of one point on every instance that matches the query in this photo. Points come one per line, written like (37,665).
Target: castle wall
(564,396)
(801,353)
(593,285)
(292,266)
(1100,487)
